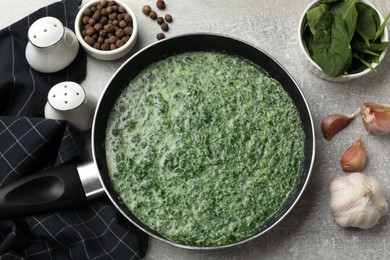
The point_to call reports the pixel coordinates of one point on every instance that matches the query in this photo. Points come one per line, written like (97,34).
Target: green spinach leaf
(316,14)
(308,40)
(357,45)
(332,51)
(377,46)
(371,53)
(375,16)
(367,64)
(365,26)
(347,11)
(381,28)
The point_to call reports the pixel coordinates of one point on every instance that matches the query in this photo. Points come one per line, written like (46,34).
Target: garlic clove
(376,118)
(354,158)
(333,123)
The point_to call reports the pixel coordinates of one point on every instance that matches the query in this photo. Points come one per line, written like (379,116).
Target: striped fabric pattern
(29,144)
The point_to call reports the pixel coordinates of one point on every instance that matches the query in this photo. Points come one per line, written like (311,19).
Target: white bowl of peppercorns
(106,29)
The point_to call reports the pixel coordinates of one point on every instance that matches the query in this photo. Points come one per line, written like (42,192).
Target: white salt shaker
(51,46)
(69,101)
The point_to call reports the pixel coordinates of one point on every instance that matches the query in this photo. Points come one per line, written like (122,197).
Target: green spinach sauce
(204,147)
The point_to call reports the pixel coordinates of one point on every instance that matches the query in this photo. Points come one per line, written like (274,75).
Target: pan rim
(296,197)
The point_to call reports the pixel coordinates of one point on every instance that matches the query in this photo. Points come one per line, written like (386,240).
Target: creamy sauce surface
(204,147)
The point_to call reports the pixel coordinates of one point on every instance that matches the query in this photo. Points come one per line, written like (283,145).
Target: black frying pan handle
(51,189)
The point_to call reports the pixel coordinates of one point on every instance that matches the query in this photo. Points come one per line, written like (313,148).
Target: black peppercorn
(127,18)
(103,12)
(97,45)
(119,43)
(103,3)
(103,20)
(113,46)
(109,28)
(121,9)
(89,31)
(85,19)
(119,33)
(96,15)
(122,24)
(160,36)
(105,46)
(98,27)
(89,40)
(125,38)
(91,21)
(160,4)
(160,20)
(109,10)
(113,16)
(88,12)
(103,33)
(168,18)
(100,39)
(112,39)
(153,15)
(146,9)
(128,30)
(164,27)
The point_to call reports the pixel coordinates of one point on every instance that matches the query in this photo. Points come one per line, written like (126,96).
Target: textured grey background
(309,231)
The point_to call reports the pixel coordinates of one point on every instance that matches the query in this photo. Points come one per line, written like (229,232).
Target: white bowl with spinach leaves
(342,39)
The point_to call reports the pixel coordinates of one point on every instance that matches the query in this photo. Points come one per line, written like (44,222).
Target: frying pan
(74,185)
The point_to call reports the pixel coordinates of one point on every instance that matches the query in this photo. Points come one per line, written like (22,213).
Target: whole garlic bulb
(357,200)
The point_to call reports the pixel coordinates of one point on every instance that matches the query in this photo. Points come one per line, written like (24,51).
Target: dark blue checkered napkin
(29,143)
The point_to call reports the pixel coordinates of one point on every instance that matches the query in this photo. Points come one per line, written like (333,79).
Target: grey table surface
(309,231)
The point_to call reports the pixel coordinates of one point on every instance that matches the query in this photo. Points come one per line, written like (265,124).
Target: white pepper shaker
(51,46)
(69,101)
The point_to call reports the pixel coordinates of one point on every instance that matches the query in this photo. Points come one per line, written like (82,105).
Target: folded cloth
(29,143)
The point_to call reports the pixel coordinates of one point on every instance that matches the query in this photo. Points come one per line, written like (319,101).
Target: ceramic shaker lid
(66,96)
(46,32)
(69,101)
